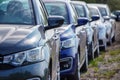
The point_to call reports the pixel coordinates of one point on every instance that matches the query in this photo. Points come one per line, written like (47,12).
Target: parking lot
(108,68)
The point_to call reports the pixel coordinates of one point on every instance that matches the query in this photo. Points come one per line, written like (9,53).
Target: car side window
(73,15)
(59,10)
(103,11)
(93,11)
(80,10)
(43,14)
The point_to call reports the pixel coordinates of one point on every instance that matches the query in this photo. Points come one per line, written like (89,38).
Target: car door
(81,32)
(95,34)
(53,39)
(82,35)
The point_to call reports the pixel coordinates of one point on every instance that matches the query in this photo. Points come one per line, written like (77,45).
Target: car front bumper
(70,54)
(35,71)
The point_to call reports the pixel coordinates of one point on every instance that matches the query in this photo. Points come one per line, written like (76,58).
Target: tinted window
(80,10)
(93,11)
(103,11)
(57,9)
(16,12)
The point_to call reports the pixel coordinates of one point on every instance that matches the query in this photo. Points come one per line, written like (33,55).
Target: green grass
(109,74)
(115,52)
(95,62)
(114,57)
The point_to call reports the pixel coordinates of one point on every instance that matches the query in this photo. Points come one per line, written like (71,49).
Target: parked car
(117,14)
(99,22)
(92,31)
(73,53)
(27,51)
(110,25)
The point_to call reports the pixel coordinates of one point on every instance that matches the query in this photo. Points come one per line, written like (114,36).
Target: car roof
(92,6)
(117,11)
(99,5)
(55,0)
(79,2)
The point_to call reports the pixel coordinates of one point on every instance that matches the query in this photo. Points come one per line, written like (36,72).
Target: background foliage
(113,4)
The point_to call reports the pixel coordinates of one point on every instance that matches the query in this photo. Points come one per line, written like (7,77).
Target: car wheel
(85,65)
(91,51)
(110,42)
(104,48)
(113,39)
(97,52)
(49,75)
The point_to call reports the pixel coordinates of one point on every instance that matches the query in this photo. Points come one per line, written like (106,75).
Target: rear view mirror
(82,21)
(54,22)
(113,16)
(95,17)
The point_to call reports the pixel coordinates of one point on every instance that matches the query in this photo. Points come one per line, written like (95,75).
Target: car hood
(14,38)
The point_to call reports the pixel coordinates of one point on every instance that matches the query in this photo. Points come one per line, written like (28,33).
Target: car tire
(104,48)
(85,65)
(91,52)
(97,52)
(110,42)
(113,39)
(49,74)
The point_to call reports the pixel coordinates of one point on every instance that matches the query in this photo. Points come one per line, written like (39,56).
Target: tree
(113,4)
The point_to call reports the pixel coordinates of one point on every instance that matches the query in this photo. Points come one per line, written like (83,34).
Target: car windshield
(16,12)
(59,9)
(80,10)
(93,11)
(103,11)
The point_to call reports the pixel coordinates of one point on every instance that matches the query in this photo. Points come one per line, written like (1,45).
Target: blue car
(73,53)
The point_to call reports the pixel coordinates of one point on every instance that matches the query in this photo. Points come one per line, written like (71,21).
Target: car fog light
(66,63)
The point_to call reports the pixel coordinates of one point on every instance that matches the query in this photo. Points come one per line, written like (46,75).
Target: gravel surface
(109,68)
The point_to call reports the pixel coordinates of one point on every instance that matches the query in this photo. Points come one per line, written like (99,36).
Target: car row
(51,39)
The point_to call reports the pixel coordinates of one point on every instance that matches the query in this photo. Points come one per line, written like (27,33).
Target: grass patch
(115,52)
(95,62)
(109,74)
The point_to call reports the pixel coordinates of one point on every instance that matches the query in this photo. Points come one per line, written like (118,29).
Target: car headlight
(68,43)
(33,55)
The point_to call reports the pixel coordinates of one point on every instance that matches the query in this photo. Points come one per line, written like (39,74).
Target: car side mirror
(106,17)
(113,16)
(54,22)
(95,17)
(82,21)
